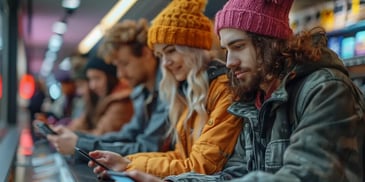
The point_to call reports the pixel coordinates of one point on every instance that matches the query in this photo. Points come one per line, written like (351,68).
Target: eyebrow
(164,48)
(235,41)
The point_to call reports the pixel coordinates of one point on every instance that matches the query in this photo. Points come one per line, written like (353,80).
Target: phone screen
(90,158)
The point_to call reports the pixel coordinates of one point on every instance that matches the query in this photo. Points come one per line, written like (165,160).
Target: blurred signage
(26,86)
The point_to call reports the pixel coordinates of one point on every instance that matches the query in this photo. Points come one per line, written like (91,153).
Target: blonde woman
(196,90)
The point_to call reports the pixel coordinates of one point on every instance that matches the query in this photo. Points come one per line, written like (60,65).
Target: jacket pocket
(274,154)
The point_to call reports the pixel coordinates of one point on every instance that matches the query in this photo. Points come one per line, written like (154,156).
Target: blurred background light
(59,27)
(55,91)
(71,4)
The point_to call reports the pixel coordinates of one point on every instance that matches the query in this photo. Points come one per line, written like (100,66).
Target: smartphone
(44,128)
(119,176)
(90,158)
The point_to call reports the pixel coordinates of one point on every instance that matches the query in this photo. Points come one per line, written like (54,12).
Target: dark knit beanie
(99,64)
(62,75)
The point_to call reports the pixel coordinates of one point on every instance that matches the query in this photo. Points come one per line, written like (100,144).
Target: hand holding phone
(90,158)
(44,128)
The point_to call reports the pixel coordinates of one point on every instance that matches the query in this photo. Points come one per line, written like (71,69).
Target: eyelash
(170,50)
(167,51)
(238,46)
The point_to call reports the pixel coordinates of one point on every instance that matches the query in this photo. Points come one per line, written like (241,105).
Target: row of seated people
(94,100)
(284,110)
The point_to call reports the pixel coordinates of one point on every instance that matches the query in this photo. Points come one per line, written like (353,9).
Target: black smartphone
(90,158)
(44,128)
(119,176)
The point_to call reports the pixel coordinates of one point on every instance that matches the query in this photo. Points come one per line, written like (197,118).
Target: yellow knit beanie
(182,22)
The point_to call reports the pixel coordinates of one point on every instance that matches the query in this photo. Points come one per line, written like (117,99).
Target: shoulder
(325,84)
(219,92)
(326,77)
(118,97)
(216,69)
(219,83)
(116,100)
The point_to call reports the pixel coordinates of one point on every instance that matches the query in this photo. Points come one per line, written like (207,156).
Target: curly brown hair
(278,56)
(127,33)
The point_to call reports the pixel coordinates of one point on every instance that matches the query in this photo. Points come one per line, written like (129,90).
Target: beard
(245,89)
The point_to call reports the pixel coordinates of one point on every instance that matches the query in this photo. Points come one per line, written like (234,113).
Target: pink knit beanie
(264,17)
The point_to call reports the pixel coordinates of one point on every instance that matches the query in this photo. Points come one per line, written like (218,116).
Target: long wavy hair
(194,96)
(278,56)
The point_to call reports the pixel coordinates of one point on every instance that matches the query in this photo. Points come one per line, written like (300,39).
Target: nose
(120,73)
(92,85)
(232,62)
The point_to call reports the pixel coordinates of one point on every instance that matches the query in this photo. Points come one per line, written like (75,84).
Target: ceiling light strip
(110,19)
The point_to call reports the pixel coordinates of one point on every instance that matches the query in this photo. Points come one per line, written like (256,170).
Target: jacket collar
(244,110)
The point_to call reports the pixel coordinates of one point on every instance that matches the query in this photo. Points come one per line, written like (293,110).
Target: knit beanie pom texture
(264,17)
(182,22)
